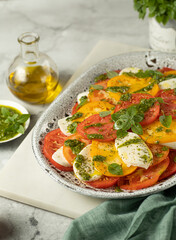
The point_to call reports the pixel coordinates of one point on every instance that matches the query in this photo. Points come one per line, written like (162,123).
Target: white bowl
(21,109)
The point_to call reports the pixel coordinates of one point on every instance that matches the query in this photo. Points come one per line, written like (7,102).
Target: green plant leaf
(23,118)
(136,128)
(121,133)
(21,129)
(5,112)
(104,113)
(112,74)
(115,169)
(165,120)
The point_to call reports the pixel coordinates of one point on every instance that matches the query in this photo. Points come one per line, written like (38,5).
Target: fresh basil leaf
(115,169)
(112,74)
(124,124)
(136,128)
(165,120)
(121,133)
(5,112)
(104,113)
(138,117)
(20,129)
(101,77)
(97,87)
(23,118)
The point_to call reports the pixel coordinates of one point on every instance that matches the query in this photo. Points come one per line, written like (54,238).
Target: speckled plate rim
(151,58)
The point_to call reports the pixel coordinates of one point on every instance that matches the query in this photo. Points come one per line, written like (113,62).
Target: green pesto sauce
(75,145)
(80,164)
(5,132)
(129,142)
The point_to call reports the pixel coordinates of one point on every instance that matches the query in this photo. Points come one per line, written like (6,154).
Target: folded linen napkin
(145,218)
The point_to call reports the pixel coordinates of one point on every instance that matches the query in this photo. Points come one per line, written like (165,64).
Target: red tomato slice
(74,109)
(171,169)
(106,129)
(68,154)
(104,182)
(149,116)
(159,153)
(167,95)
(165,69)
(143,178)
(52,142)
(169,107)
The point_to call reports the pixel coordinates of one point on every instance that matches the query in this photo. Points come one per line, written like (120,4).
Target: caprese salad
(121,132)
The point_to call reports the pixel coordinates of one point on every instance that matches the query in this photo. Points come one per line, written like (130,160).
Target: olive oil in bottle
(33,76)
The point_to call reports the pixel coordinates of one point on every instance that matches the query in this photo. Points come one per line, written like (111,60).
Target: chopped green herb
(175,159)
(147,88)
(75,116)
(79,158)
(72,127)
(75,145)
(115,89)
(131,141)
(168,130)
(146,74)
(83,101)
(118,189)
(159,129)
(164,148)
(99,158)
(104,113)
(125,97)
(158,155)
(95,136)
(93,125)
(115,169)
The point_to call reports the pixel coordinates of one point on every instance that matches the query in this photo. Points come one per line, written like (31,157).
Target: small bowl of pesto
(14,120)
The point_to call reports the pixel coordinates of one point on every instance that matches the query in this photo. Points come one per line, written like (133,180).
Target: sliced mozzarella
(81,95)
(58,157)
(171,83)
(86,167)
(133,151)
(130,69)
(63,124)
(171,145)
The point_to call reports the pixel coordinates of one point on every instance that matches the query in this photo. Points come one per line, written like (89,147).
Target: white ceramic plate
(21,109)
(62,106)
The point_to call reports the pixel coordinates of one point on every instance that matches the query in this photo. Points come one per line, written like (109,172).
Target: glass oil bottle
(33,76)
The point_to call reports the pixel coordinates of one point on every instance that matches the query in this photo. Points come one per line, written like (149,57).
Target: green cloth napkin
(145,218)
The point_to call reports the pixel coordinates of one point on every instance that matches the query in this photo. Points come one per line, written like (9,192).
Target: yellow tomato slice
(170,73)
(133,83)
(108,150)
(157,133)
(92,108)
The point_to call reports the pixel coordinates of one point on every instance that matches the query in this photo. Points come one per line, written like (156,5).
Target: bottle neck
(30,53)
(29,47)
